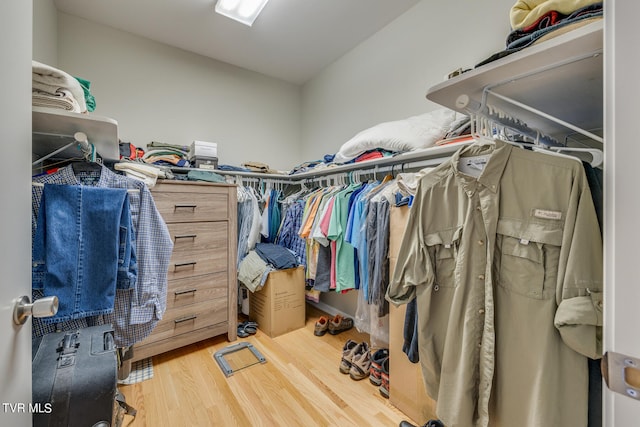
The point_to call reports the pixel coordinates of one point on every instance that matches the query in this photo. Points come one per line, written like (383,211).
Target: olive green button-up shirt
(507,272)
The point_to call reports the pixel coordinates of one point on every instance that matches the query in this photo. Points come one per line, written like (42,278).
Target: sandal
(247,328)
(241,332)
(250,328)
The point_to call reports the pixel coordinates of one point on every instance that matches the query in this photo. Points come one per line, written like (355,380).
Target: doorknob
(43,307)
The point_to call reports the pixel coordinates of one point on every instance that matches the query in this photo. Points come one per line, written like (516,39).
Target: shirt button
(481,276)
(436,288)
(481,311)
(478,208)
(481,242)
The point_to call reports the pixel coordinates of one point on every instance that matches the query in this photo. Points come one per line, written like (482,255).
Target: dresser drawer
(188,318)
(193,290)
(192,207)
(200,248)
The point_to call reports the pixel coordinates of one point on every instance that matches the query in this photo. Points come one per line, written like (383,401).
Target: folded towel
(63,99)
(147,173)
(50,80)
(88,96)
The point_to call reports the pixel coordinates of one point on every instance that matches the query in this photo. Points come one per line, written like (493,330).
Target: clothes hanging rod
(437,154)
(79,138)
(41,184)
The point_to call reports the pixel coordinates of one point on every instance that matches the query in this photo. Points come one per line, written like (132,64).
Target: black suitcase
(74,378)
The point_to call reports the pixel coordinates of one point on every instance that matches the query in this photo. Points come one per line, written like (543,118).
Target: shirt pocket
(528,255)
(443,247)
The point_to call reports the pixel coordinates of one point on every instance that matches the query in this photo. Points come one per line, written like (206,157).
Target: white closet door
(622,198)
(15,226)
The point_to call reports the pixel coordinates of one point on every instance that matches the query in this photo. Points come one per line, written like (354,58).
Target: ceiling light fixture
(245,11)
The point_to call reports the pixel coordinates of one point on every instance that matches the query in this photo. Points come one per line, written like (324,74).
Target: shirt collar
(490,177)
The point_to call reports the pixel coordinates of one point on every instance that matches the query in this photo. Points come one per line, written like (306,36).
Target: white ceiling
(291,40)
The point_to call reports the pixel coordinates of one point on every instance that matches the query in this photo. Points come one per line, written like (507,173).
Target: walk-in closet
(284,213)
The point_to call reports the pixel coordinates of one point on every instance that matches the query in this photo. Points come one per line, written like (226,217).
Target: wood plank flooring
(300,385)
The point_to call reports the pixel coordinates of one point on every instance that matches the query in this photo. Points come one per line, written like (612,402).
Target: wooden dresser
(202,283)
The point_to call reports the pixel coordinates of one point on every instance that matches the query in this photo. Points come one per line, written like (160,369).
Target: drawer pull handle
(185,319)
(184,264)
(192,207)
(185,236)
(189,291)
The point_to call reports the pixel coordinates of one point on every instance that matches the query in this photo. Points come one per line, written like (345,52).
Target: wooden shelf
(562,77)
(54,128)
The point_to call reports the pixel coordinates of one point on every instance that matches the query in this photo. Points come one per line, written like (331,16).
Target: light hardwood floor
(300,385)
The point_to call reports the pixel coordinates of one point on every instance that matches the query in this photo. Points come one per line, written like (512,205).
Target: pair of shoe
(379,371)
(334,326)
(247,328)
(356,360)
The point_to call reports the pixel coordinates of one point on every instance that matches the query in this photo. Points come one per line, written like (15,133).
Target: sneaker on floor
(361,362)
(321,327)
(384,377)
(348,350)
(339,324)
(376,365)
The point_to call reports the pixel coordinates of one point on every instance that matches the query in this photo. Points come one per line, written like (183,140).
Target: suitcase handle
(69,343)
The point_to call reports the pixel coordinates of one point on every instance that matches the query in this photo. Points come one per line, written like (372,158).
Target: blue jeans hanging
(83,249)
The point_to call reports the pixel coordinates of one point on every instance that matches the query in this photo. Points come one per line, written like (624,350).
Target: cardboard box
(406,386)
(204,149)
(411,396)
(279,307)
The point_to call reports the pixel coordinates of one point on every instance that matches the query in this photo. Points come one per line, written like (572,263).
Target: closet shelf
(54,128)
(558,80)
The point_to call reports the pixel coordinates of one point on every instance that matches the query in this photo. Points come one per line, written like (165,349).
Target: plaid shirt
(289,237)
(137,310)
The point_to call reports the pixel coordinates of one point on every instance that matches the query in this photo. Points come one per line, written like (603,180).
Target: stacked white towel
(55,88)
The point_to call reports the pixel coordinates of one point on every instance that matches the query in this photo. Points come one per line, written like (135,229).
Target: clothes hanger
(597,157)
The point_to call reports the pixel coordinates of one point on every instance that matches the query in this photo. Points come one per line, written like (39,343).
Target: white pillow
(401,135)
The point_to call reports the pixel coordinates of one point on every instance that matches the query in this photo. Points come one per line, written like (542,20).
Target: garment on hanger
(83,249)
(507,272)
(288,235)
(345,257)
(137,311)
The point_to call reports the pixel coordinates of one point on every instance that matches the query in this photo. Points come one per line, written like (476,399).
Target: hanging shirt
(137,311)
(345,272)
(288,236)
(507,272)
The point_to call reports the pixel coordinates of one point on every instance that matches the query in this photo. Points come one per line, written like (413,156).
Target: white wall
(160,93)
(45,32)
(387,76)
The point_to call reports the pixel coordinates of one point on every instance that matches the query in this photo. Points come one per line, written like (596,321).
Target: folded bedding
(526,12)
(409,134)
(50,80)
(62,99)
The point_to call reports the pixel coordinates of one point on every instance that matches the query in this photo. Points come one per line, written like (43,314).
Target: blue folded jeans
(83,249)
